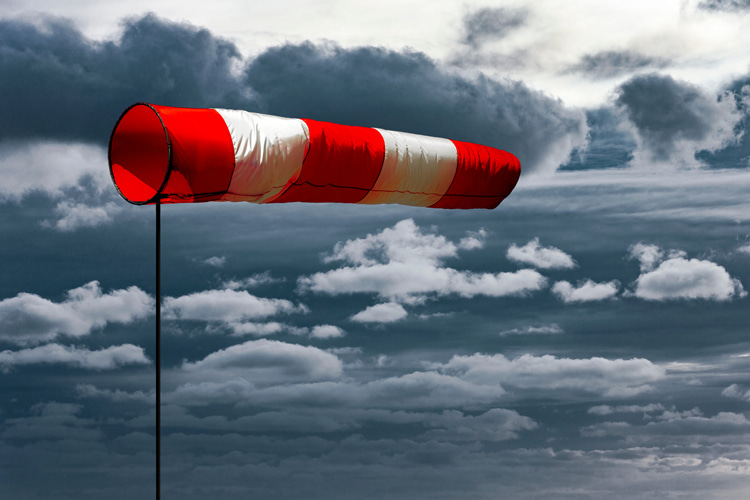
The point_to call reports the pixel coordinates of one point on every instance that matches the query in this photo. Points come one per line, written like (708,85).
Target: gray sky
(587,338)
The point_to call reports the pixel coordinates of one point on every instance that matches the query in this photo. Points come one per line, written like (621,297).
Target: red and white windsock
(184,155)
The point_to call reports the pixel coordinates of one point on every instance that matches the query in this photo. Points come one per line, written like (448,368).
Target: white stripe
(268,152)
(417,170)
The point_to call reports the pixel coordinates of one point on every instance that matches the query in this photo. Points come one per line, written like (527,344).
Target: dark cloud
(675,119)
(663,111)
(489,24)
(725,5)
(409,92)
(67,86)
(613,63)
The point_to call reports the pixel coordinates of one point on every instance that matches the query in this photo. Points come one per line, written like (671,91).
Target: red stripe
(341,165)
(484,177)
(202,154)
(139,154)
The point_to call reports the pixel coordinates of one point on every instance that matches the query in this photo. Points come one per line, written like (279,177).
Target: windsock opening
(140,154)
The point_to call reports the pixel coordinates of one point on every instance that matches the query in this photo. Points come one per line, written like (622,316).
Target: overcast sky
(588,338)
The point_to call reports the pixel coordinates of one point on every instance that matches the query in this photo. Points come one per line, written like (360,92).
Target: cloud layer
(180,65)
(618,377)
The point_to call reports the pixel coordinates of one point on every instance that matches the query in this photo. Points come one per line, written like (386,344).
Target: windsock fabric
(185,155)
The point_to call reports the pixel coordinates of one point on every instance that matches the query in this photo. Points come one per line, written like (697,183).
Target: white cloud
(648,255)
(542,257)
(403,264)
(74,216)
(587,291)
(263,361)
(28,318)
(403,242)
(381,313)
(551,329)
(317,331)
(251,281)
(49,167)
(326,332)
(473,241)
(240,329)
(225,305)
(735,391)
(215,261)
(744,249)
(612,378)
(264,329)
(103,359)
(414,283)
(672,414)
(677,277)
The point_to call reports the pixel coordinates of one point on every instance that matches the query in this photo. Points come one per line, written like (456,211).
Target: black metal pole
(158,348)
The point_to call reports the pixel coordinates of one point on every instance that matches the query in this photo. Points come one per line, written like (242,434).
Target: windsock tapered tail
(185,155)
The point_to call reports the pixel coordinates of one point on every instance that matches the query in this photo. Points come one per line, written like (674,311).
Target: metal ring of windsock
(184,155)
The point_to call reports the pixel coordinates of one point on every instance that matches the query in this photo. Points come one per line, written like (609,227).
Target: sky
(588,338)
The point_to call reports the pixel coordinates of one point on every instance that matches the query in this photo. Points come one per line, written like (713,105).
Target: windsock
(186,155)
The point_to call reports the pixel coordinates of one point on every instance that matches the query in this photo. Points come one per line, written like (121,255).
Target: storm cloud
(618,377)
(68,87)
(674,120)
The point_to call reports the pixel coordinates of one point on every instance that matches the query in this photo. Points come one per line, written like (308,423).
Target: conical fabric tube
(186,155)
